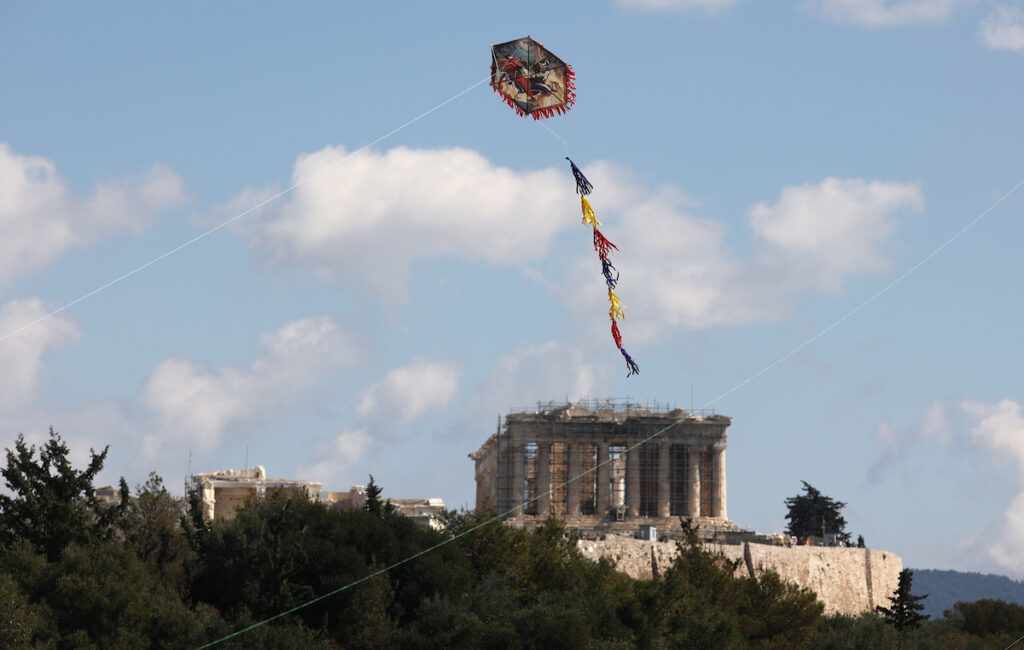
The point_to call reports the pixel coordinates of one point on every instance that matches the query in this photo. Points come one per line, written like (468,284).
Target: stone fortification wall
(846,580)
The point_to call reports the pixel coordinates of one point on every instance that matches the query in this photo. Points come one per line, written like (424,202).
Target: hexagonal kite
(530,79)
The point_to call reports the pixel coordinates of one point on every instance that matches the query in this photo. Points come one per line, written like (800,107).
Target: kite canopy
(530,79)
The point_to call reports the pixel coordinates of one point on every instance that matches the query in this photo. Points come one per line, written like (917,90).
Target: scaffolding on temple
(603,464)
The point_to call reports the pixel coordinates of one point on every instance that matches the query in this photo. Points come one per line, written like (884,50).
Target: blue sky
(764,168)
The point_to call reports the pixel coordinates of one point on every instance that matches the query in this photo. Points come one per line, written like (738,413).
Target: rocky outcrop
(846,580)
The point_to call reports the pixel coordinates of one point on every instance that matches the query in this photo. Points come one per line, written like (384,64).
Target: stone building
(224,492)
(635,465)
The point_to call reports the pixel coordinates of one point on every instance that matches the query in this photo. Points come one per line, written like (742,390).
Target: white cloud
(885,13)
(676,269)
(405,394)
(835,228)
(1003,29)
(335,457)
(532,373)
(21,355)
(999,430)
(707,5)
(40,217)
(410,392)
(366,219)
(193,405)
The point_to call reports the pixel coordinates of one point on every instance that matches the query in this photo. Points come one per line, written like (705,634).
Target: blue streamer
(633,368)
(583,186)
(607,268)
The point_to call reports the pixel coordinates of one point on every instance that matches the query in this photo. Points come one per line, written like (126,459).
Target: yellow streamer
(589,218)
(616,309)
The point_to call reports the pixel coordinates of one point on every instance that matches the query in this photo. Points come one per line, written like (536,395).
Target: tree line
(78,573)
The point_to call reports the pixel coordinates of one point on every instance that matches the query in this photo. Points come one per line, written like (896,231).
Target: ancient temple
(606,465)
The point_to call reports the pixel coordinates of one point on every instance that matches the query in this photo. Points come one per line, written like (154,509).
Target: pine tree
(904,612)
(812,513)
(374,503)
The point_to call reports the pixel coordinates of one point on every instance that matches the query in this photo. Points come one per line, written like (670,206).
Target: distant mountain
(947,587)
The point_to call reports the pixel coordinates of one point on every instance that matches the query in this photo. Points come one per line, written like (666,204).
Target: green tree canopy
(811,512)
(52,504)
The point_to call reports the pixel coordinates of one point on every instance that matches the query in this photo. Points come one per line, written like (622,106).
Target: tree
(154,530)
(989,616)
(812,513)
(374,503)
(53,504)
(904,612)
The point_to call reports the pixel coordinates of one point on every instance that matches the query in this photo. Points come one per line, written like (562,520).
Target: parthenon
(636,464)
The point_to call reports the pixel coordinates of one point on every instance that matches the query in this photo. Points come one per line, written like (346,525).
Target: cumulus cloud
(1003,29)
(706,5)
(40,217)
(532,373)
(367,218)
(814,237)
(999,430)
(410,392)
(190,404)
(21,355)
(885,13)
(335,457)
(834,228)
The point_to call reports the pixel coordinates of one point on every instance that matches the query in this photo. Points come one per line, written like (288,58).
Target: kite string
(549,130)
(708,404)
(250,210)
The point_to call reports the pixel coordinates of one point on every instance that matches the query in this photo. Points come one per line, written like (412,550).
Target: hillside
(944,588)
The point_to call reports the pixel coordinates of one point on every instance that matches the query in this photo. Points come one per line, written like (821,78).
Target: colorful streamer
(604,248)
(589,218)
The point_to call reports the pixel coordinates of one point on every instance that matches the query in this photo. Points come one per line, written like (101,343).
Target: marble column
(543,478)
(603,479)
(572,491)
(718,483)
(516,481)
(664,484)
(633,482)
(693,480)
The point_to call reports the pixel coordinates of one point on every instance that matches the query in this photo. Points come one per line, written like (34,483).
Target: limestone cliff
(847,580)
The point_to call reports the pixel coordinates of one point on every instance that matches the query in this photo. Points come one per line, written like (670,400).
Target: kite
(532,80)
(535,82)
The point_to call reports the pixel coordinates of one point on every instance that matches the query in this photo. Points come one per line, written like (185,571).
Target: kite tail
(607,268)
(630,364)
(583,186)
(602,245)
(589,218)
(616,336)
(615,310)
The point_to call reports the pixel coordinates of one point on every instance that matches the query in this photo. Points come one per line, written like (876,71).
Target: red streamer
(602,245)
